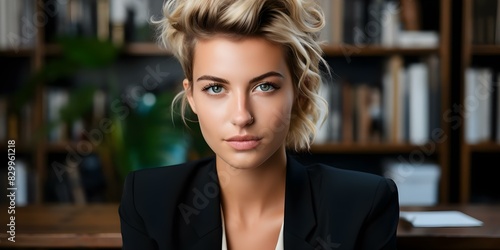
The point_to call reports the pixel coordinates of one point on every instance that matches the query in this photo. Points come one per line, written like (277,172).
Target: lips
(245,142)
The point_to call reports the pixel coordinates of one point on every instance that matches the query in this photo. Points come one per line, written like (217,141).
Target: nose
(241,115)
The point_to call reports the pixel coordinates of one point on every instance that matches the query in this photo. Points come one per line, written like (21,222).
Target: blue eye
(267,87)
(213,89)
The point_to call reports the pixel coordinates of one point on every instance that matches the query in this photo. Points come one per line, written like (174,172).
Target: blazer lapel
(300,218)
(206,199)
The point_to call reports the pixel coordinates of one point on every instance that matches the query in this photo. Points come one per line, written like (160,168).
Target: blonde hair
(293,23)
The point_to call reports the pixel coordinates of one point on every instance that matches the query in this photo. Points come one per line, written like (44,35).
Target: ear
(188,91)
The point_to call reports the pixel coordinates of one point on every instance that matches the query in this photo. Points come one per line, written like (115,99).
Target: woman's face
(243,95)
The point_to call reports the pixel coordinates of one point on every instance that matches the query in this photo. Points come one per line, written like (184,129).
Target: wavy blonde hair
(293,23)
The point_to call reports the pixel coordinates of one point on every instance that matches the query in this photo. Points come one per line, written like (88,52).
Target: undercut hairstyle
(294,24)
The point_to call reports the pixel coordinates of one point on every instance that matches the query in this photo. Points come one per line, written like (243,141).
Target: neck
(250,194)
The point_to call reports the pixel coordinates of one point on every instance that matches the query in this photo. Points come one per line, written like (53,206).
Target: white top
(279,244)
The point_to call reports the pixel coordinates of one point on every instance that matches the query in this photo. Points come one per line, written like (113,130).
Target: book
(390,24)
(325,35)
(410,14)
(471,118)
(434,110)
(347,112)
(337,21)
(498,107)
(418,103)
(362,113)
(323,128)
(439,219)
(393,103)
(478,105)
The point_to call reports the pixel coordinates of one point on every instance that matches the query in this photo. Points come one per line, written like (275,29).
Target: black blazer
(178,207)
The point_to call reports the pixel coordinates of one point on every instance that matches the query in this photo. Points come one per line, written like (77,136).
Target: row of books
(117,20)
(77,184)
(18,24)
(404,108)
(18,124)
(486,22)
(481,105)
(377,22)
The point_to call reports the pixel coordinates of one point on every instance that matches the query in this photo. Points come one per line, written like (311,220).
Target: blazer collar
(207,185)
(299,219)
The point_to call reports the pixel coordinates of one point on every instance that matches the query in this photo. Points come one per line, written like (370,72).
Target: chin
(244,159)
(241,161)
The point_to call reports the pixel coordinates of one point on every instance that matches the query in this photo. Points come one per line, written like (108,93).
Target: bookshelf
(479,52)
(440,147)
(43,151)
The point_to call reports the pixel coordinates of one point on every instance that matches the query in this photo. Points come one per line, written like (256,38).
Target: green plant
(147,136)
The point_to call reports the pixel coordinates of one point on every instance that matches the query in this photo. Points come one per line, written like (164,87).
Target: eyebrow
(253,80)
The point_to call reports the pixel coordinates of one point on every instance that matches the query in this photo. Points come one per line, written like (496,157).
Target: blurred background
(86,94)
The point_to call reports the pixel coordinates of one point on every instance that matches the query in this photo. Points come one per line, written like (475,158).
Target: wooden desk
(91,226)
(470,238)
(98,226)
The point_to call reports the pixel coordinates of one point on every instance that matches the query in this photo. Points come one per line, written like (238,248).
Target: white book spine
(390,25)
(470,103)
(484,92)
(21,184)
(419,101)
(322,128)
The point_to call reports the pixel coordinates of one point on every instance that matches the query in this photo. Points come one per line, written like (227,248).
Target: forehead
(248,56)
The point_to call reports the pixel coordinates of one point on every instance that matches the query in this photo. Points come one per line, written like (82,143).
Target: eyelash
(273,85)
(211,85)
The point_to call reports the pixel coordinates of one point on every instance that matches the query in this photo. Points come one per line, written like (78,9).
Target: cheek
(209,115)
(279,118)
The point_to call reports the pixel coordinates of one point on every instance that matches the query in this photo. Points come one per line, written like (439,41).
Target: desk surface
(99,226)
(485,237)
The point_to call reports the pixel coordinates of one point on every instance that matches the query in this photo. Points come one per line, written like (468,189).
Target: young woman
(252,78)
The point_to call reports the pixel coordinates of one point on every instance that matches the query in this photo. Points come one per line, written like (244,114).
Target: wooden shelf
(484,147)
(22,52)
(132,49)
(486,50)
(355,148)
(144,49)
(369,50)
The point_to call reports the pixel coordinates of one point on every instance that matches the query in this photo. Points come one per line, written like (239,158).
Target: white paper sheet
(440,219)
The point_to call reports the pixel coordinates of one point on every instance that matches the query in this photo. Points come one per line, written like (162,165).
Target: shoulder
(349,185)
(163,177)
(334,175)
